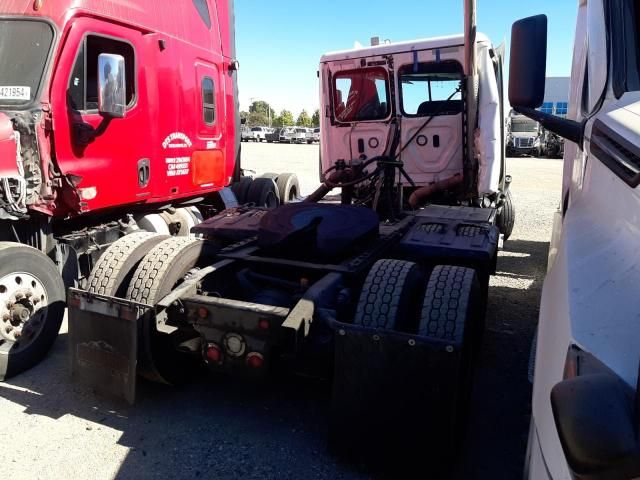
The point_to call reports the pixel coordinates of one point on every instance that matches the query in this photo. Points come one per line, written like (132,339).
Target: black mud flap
(103,342)
(396,400)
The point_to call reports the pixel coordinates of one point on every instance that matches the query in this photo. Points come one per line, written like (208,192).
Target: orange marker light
(208,168)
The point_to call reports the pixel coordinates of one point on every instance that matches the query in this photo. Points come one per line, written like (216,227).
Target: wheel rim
(23,309)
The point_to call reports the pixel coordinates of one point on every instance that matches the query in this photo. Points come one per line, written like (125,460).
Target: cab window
(82,92)
(208,101)
(361,95)
(433,88)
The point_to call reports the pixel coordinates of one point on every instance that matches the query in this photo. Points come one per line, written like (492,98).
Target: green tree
(257,119)
(315,119)
(263,108)
(285,119)
(303,119)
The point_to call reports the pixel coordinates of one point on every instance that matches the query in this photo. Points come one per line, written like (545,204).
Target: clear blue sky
(280,41)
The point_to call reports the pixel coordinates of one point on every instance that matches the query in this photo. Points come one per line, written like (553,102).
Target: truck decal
(177,167)
(183,141)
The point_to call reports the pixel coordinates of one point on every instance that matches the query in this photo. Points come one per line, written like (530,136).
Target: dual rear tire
(145,268)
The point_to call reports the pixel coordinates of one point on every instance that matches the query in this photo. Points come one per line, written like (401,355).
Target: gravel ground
(51,428)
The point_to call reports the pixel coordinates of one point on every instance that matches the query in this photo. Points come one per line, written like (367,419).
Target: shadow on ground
(501,400)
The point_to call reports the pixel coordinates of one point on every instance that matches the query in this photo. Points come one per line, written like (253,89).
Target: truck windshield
(24,49)
(524,127)
(361,95)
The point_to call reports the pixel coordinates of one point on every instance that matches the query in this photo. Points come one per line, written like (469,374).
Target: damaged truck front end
(27,47)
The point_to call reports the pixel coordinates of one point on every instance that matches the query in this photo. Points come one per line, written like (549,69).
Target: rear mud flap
(395,399)
(103,342)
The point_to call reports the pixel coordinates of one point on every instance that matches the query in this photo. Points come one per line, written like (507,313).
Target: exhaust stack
(470,164)
(470,30)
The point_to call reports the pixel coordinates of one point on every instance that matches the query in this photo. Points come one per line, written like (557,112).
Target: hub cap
(23,308)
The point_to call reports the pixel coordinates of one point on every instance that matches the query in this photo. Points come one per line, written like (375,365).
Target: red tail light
(214,354)
(255,360)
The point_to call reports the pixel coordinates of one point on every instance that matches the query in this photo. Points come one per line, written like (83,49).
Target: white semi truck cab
(585,396)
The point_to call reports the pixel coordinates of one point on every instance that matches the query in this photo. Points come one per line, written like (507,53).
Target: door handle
(144,172)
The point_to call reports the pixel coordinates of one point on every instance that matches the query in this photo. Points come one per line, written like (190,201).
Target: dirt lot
(216,428)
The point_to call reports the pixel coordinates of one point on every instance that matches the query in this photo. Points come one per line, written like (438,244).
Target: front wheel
(32,304)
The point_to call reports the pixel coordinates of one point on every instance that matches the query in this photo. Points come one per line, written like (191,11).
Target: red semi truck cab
(62,156)
(115,116)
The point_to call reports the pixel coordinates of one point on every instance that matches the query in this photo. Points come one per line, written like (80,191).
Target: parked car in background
(300,135)
(287,134)
(316,135)
(273,135)
(245,133)
(258,134)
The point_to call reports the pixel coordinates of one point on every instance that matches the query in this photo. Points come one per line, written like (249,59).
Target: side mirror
(596,426)
(112,86)
(528,62)
(527,71)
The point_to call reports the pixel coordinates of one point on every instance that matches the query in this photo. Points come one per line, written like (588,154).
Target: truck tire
(506,218)
(386,300)
(153,222)
(115,267)
(449,300)
(263,192)
(157,274)
(288,187)
(241,188)
(32,304)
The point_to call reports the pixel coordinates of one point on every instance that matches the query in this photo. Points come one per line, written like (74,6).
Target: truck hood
(9,148)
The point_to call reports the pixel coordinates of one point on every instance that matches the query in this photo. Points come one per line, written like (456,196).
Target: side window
(431,89)
(208,101)
(82,92)
(361,95)
(203,11)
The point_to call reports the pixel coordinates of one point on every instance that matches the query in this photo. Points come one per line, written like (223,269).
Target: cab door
(107,159)
(429,87)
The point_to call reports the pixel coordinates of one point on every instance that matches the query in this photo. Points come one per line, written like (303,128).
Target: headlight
(536,142)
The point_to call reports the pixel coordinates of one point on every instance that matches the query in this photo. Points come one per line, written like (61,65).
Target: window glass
(203,11)
(208,101)
(24,49)
(547,107)
(361,95)
(431,89)
(562,108)
(82,92)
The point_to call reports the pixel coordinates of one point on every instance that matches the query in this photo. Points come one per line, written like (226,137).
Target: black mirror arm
(569,129)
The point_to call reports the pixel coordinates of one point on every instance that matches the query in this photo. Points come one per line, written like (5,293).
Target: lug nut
(19,295)
(28,294)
